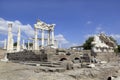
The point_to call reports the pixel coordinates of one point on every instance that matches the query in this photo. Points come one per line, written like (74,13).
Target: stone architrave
(18,40)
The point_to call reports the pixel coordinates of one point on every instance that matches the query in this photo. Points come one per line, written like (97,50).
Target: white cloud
(63,42)
(99,29)
(88,35)
(89,22)
(61,39)
(116,36)
(1,42)
(26,29)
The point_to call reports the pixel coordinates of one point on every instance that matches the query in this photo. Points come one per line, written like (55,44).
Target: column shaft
(18,40)
(10,39)
(23,44)
(42,34)
(52,37)
(36,39)
(5,44)
(28,45)
(48,42)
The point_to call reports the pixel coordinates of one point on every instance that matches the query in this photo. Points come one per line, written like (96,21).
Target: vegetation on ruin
(30,44)
(87,45)
(15,44)
(117,50)
(112,39)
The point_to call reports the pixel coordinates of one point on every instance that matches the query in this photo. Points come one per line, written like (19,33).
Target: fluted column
(10,39)
(48,37)
(12,45)
(33,45)
(42,34)
(5,43)
(56,44)
(28,45)
(36,39)
(23,44)
(18,40)
(53,36)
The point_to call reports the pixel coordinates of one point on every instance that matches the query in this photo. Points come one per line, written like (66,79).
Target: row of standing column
(36,47)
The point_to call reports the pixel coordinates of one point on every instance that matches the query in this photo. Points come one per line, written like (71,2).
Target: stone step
(49,65)
(49,69)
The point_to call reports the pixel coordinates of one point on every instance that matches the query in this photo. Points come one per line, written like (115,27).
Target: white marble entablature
(100,45)
(44,26)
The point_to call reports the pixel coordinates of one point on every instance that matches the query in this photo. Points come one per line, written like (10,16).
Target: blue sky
(74,19)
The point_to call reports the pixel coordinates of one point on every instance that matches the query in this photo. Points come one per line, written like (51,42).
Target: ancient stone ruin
(50,58)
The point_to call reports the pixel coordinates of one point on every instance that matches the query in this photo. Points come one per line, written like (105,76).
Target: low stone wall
(49,55)
(24,56)
(106,56)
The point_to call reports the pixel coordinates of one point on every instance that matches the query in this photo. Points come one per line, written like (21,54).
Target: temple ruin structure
(47,30)
(50,34)
(103,43)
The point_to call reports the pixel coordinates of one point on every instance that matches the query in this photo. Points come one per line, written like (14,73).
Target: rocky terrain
(17,71)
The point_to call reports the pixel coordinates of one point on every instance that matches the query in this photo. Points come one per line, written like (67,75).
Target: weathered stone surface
(68,65)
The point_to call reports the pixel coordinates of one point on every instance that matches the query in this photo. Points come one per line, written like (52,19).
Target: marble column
(53,37)
(56,43)
(28,45)
(18,40)
(33,45)
(5,43)
(12,45)
(36,40)
(42,34)
(23,44)
(10,38)
(48,39)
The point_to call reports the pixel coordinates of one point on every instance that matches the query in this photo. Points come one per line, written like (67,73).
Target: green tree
(15,44)
(30,44)
(117,50)
(87,45)
(112,39)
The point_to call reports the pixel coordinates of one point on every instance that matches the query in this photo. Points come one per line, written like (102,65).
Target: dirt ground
(16,71)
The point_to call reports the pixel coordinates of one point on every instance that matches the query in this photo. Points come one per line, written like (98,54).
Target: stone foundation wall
(49,55)
(106,56)
(24,56)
